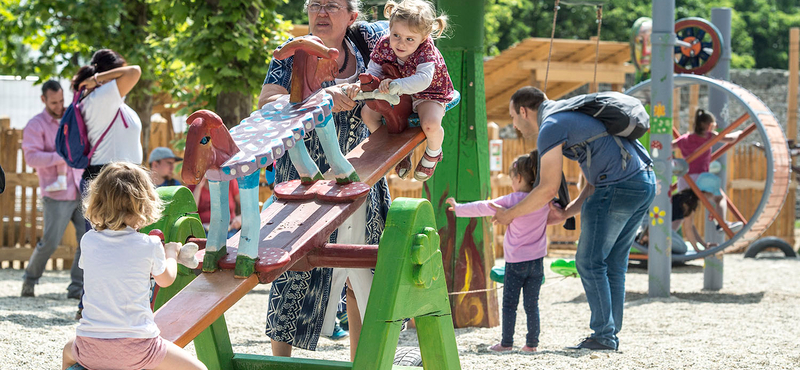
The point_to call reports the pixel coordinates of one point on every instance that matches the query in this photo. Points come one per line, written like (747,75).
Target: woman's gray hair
(352,6)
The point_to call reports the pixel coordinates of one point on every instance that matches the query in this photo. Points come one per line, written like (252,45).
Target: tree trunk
(142,102)
(233,106)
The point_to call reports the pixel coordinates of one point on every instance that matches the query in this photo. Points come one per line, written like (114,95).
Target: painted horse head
(314,63)
(208,146)
(396,116)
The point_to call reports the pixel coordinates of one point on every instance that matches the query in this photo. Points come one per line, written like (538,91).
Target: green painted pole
(466,244)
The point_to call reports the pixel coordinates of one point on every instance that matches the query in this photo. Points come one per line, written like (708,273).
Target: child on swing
(524,248)
(705,125)
(413,25)
(117,330)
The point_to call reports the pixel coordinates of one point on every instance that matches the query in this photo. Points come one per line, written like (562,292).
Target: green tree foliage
(227,46)
(50,38)
(212,54)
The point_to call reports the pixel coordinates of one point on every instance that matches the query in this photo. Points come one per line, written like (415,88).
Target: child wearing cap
(162,167)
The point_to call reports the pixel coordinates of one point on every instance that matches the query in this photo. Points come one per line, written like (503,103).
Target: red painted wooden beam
(340,256)
(747,131)
(711,209)
(732,208)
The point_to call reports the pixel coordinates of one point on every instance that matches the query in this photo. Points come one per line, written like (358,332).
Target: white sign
(496,155)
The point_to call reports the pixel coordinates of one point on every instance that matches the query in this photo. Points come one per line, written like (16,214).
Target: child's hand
(556,215)
(172,249)
(384,87)
(452,202)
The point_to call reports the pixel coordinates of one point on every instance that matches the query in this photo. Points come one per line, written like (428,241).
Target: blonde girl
(413,25)
(117,330)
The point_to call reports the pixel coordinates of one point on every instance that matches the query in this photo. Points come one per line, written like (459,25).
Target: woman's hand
(452,202)
(89,83)
(384,86)
(351,90)
(341,99)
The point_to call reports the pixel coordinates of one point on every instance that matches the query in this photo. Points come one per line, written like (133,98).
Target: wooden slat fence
(21,219)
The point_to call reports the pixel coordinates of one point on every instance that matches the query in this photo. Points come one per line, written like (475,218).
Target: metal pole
(720,17)
(659,252)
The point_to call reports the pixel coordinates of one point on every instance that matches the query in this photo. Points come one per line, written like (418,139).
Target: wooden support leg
(437,342)
(251,226)
(342,169)
(377,349)
(213,346)
(218,228)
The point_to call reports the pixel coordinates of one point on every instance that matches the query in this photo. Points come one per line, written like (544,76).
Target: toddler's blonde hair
(420,15)
(122,195)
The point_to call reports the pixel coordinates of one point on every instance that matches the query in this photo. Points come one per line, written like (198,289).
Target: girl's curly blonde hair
(420,15)
(122,195)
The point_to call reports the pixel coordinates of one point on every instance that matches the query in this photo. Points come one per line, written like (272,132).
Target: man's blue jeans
(610,218)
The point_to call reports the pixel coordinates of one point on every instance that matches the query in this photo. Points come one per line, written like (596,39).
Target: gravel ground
(751,323)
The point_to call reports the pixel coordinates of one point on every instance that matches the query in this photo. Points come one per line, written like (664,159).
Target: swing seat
(564,268)
(498,274)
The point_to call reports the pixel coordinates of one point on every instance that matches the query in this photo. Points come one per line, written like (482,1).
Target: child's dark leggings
(526,277)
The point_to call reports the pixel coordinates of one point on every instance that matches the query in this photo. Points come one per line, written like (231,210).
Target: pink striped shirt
(39,148)
(525,238)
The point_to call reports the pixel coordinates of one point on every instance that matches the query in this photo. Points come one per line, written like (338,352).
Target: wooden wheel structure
(757,118)
(698,46)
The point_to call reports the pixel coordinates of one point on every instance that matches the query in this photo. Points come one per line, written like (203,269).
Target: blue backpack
(72,140)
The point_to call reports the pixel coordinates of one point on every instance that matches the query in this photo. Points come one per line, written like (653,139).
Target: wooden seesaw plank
(296,227)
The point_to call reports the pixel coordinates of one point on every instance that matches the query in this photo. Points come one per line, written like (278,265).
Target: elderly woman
(299,300)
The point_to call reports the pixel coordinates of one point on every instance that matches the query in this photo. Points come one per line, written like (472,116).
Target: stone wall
(769,85)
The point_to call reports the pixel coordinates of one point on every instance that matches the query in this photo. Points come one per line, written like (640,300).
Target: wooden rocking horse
(270,132)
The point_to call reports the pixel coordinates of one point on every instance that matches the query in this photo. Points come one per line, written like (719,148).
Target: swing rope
(500,286)
(599,21)
(552,36)
(597,48)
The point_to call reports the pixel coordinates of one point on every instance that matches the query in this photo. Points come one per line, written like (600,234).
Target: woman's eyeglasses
(330,8)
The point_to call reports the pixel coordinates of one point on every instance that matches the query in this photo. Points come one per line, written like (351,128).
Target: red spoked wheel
(698,46)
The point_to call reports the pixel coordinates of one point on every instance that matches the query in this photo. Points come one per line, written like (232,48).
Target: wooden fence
(21,219)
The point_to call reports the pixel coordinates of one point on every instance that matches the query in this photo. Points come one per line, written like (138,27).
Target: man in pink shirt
(62,203)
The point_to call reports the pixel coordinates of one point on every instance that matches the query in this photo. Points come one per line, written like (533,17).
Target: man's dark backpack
(624,117)
(72,139)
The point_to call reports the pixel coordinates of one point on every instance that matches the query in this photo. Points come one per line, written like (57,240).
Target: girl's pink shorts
(119,353)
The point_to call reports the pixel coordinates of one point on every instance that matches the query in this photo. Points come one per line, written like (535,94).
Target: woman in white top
(108,79)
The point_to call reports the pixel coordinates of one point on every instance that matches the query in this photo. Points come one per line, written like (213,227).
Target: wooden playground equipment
(291,233)
(408,270)
(777,171)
